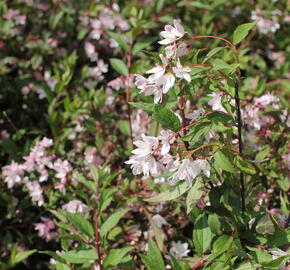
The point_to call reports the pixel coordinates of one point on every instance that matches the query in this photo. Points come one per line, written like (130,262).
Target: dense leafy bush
(144,134)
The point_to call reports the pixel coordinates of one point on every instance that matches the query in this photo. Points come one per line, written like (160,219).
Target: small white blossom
(195,114)
(182,72)
(159,220)
(166,139)
(171,34)
(179,250)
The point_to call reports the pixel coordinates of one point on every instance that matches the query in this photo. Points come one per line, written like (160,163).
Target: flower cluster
(39,162)
(163,76)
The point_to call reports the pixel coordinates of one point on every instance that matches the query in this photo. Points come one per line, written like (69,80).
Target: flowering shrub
(125,146)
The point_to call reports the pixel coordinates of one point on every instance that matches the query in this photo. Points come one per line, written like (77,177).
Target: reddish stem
(98,239)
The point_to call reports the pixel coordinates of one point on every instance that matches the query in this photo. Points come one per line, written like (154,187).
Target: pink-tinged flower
(62,168)
(166,139)
(97,72)
(159,220)
(179,250)
(182,72)
(166,82)
(216,102)
(158,71)
(76,206)
(188,170)
(91,51)
(184,172)
(35,192)
(13,173)
(176,50)
(266,100)
(45,229)
(200,165)
(172,33)
(143,159)
(195,114)
(148,88)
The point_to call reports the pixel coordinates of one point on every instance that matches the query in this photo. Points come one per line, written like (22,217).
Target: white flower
(143,160)
(216,102)
(166,139)
(166,82)
(179,250)
(176,50)
(195,114)
(184,172)
(182,72)
(171,34)
(200,165)
(76,206)
(159,220)
(276,253)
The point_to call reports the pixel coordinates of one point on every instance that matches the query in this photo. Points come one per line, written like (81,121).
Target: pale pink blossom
(167,138)
(13,173)
(76,206)
(159,220)
(45,228)
(35,192)
(216,102)
(179,250)
(182,72)
(172,33)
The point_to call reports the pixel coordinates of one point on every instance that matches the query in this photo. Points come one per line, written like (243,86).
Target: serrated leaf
(171,194)
(79,256)
(112,221)
(197,132)
(119,66)
(222,161)
(167,119)
(194,194)
(244,165)
(242,31)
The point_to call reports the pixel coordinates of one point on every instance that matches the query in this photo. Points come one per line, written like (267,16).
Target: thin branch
(98,239)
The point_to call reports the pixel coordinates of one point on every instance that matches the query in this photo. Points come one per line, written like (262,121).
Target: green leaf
(220,64)
(112,221)
(23,255)
(194,194)
(148,107)
(214,224)
(265,225)
(123,44)
(222,244)
(153,260)
(115,256)
(119,66)
(142,44)
(197,132)
(244,165)
(222,161)
(170,194)
(62,266)
(201,235)
(212,52)
(277,262)
(84,226)
(242,31)
(79,256)
(167,119)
